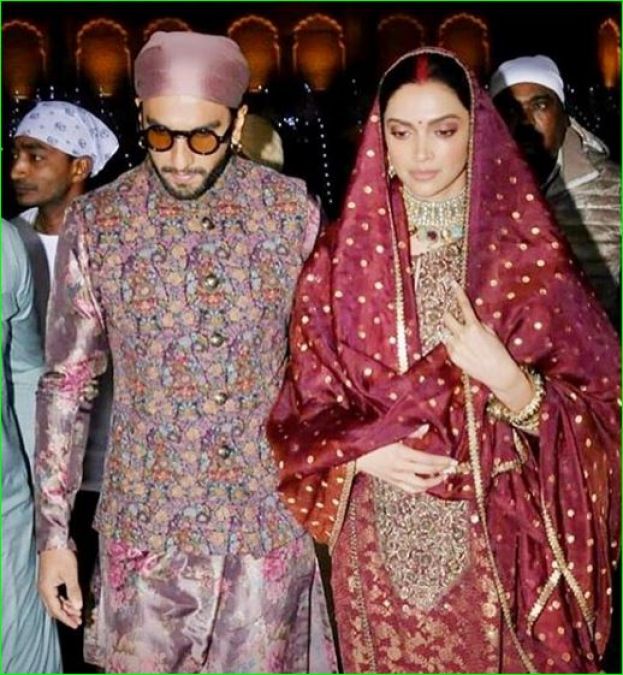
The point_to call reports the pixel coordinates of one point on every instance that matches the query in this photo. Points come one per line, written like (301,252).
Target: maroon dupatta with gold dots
(357,380)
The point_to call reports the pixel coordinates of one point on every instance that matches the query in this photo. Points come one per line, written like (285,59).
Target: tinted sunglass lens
(159,139)
(203,142)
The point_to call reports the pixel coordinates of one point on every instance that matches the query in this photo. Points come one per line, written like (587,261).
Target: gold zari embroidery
(424,540)
(563,566)
(541,601)
(358,587)
(344,497)
(503,467)
(435,271)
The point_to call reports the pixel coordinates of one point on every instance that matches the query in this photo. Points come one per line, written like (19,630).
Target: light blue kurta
(29,639)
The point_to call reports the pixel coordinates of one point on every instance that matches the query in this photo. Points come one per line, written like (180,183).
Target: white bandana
(72,130)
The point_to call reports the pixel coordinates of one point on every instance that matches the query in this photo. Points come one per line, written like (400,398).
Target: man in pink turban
(181,272)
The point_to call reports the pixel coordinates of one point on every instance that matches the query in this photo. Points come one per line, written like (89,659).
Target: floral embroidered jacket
(191,300)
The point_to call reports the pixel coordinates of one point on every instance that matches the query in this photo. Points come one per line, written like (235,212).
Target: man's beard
(209,178)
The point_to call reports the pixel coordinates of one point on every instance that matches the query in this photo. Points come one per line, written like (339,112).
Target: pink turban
(209,67)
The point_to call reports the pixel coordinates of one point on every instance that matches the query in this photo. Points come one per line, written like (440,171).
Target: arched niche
(258,40)
(103,56)
(167,24)
(397,35)
(318,50)
(609,53)
(468,37)
(24,58)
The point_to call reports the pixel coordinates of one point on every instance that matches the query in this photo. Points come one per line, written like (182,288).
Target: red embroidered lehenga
(507,565)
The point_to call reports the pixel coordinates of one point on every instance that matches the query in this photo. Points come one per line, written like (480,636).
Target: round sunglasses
(202,141)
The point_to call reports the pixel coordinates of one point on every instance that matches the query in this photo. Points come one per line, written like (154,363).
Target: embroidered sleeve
(76,355)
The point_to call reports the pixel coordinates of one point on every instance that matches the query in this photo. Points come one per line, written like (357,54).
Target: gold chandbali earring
(391,172)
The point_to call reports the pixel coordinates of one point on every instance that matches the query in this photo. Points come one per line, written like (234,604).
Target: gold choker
(439,222)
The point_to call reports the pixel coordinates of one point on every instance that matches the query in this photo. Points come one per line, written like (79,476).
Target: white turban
(72,130)
(533,69)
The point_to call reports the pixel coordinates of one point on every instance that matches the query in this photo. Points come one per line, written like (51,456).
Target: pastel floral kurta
(191,298)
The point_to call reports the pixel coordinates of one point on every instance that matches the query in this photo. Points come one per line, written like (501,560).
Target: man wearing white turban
(581,185)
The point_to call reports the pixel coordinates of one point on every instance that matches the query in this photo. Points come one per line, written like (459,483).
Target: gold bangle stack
(527,418)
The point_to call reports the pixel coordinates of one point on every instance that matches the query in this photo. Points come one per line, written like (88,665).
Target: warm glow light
(398,34)
(103,55)
(24,58)
(167,23)
(609,51)
(318,51)
(468,37)
(258,40)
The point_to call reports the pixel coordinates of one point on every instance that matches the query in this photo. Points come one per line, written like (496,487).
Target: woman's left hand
(477,350)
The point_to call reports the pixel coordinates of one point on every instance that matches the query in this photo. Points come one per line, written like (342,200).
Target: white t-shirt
(50,244)
(49,241)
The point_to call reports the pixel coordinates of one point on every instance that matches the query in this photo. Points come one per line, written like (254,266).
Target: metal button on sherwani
(225,451)
(211,282)
(220,397)
(207,223)
(216,340)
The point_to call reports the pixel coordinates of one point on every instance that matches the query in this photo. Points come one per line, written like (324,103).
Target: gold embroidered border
(544,595)
(512,464)
(365,625)
(462,468)
(503,467)
(341,509)
(520,447)
(474,453)
(401,332)
(559,556)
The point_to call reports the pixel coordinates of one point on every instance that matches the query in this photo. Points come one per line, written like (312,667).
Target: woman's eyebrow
(443,118)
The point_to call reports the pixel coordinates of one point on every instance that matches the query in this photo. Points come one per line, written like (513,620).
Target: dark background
(320,129)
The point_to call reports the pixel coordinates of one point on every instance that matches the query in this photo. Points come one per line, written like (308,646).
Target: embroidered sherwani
(190,299)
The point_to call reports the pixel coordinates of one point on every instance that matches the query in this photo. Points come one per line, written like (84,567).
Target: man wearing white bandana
(581,185)
(56,148)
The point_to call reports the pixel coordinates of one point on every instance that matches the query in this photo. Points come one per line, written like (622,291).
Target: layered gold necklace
(440,222)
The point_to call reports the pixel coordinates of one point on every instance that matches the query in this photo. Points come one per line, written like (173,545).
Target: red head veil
(357,380)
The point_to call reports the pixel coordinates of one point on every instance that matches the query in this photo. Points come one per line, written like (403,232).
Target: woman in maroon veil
(449,421)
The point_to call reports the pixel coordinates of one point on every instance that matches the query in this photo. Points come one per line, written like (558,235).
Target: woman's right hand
(403,467)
